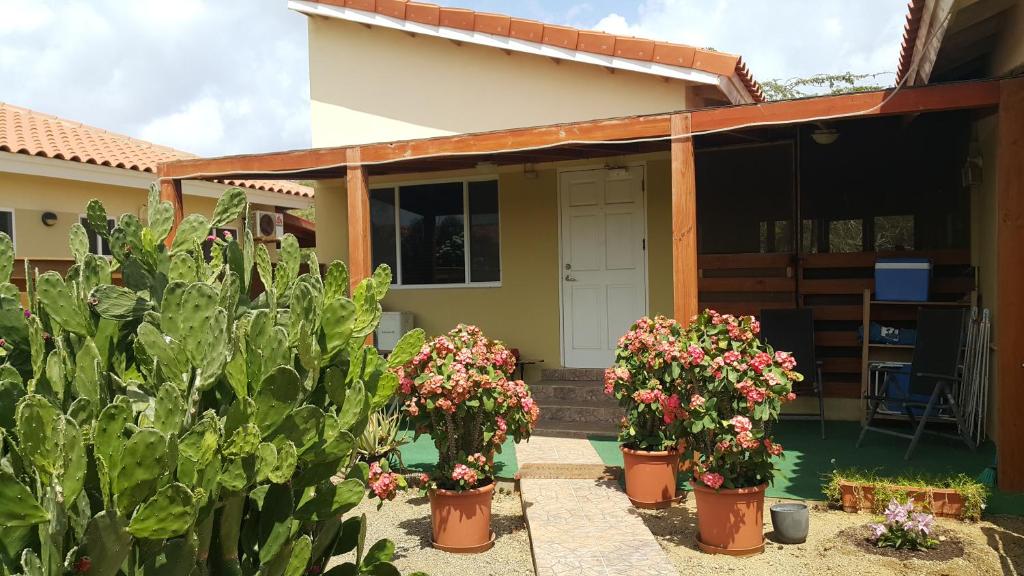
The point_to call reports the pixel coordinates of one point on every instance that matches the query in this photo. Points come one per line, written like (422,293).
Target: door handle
(570,278)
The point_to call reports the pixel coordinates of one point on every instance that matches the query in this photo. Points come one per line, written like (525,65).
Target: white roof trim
(504,43)
(13,163)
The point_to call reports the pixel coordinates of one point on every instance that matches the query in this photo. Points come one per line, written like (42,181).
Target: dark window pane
(845,236)
(7,223)
(484,232)
(98,245)
(745,199)
(382,229)
(894,233)
(433,231)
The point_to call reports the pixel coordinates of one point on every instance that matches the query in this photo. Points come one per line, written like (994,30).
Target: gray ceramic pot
(790,521)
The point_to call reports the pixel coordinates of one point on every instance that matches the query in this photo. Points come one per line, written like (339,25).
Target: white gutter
(110,176)
(509,44)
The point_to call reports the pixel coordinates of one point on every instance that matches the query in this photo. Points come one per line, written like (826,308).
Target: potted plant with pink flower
(646,379)
(459,390)
(736,386)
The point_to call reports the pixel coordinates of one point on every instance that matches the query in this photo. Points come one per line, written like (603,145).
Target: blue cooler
(902,279)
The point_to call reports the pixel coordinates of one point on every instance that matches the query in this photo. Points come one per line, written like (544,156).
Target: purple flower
(895,513)
(923,522)
(28,313)
(877,531)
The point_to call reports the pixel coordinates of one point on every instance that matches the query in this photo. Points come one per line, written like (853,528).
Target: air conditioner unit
(267,225)
(393,325)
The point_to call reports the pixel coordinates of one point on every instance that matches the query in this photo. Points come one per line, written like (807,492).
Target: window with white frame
(97,244)
(444,233)
(7,222)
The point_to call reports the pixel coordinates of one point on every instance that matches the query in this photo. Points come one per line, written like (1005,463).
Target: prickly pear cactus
(179,424)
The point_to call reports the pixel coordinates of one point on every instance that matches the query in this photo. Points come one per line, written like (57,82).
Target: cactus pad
(143,461)
(167,514)
(18,507)
(60,302)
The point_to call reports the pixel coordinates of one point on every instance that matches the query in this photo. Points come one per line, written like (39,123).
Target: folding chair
(792,330)
(934,372)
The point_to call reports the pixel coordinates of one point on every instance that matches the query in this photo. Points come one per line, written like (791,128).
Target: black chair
(934,372)
(792,330)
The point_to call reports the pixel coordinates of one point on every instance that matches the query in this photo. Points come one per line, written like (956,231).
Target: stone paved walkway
(582,527)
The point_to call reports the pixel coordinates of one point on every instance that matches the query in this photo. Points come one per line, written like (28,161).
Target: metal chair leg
(873,405)
(923,421)
(960,424)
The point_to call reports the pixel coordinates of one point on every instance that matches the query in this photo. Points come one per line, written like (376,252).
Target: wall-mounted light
(825,136)
(49,218)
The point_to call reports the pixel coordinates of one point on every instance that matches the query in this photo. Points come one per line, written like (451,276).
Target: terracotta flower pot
(943,502)
(461,521)
(650,477)
(730,521)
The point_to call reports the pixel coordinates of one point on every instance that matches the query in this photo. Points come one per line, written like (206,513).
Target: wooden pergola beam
(170,191)
(684,222)
(358,196)
(292,165)
(936,98)
(1009,401)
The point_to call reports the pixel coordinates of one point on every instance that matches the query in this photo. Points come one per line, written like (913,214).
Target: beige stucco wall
(30,196)
(984,241)
(376,85)
(524,311)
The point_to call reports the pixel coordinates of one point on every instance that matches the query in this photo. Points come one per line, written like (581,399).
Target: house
(51,167)
(555,237)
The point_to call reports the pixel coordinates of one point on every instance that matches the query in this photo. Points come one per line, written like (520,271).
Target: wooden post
(358,191)
(1010,286)
(170,191)
(684,222)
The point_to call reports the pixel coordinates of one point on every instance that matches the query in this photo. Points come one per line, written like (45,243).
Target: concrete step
(564,391)
(574,429)
(584,412)
(591,374)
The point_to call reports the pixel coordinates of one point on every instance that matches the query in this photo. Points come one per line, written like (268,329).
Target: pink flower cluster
(712,480)
(464,474)
(384,484)
(672,409)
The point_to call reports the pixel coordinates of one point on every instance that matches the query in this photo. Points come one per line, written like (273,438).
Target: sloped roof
(915,10)
(564,37)
(23,131)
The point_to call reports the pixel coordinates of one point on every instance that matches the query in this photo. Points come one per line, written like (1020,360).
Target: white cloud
(23,15)
(199,126)
(210,77)
(778,39)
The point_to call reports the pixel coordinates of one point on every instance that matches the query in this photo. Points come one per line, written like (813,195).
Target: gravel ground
(406,522)
(994,547)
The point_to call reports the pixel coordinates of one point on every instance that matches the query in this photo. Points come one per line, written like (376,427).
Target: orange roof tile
(632,48)
(910,29)
(24,131)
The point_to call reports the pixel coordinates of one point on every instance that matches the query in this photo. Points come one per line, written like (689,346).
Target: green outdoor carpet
(421,456)
(808,458)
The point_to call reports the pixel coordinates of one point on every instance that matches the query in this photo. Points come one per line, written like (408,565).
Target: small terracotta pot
(461,520)
(650,477)
(730,521)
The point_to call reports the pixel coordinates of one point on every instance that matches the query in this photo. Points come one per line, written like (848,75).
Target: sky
(217,77)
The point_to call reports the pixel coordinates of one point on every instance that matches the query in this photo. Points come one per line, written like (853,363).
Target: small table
(522,364)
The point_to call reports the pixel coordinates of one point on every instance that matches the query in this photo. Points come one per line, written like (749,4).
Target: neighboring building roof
(24,131)
(565,38)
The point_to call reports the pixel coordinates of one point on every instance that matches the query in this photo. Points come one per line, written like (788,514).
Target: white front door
(604,273)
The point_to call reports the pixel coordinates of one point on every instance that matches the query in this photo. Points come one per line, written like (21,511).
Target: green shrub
(173,425)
